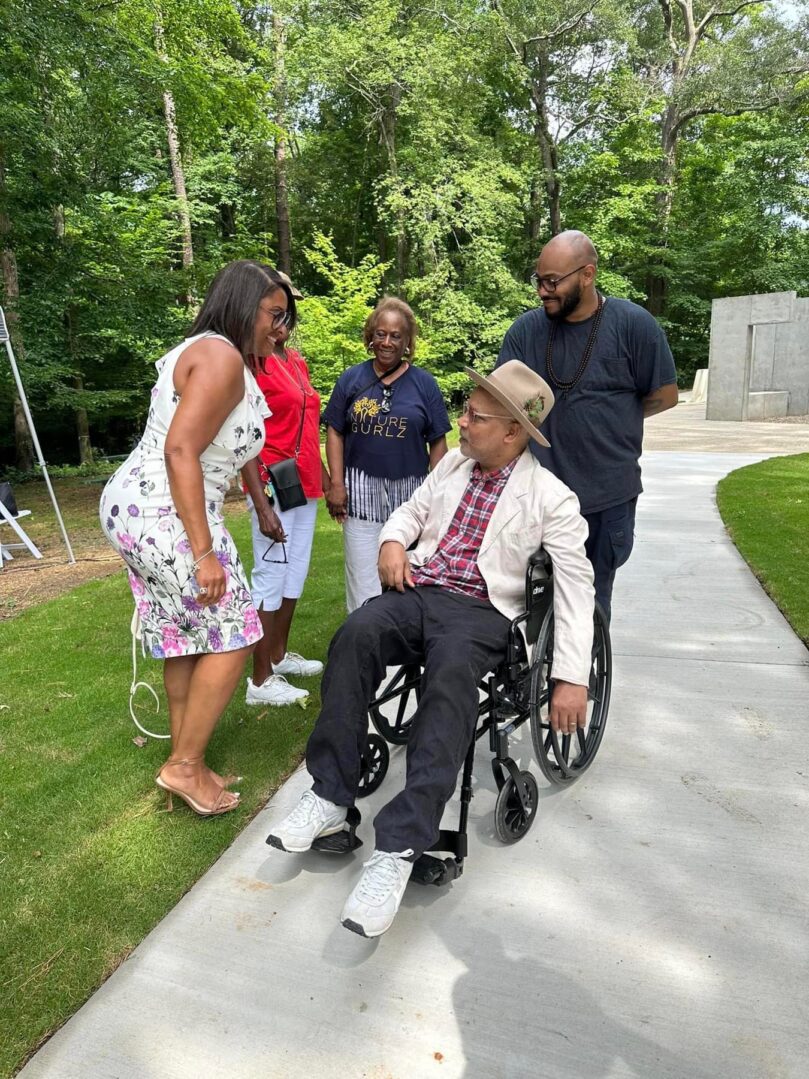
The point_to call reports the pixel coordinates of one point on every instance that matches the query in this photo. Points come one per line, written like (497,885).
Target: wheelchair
(517,691)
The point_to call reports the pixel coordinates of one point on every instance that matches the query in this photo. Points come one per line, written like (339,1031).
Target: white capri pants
(274,579)
(361,543)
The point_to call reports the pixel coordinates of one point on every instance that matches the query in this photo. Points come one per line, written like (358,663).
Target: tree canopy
(426,148)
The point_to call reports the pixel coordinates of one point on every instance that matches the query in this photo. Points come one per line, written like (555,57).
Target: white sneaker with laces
(312,817)
(292,663)
(275,690)
(372,906)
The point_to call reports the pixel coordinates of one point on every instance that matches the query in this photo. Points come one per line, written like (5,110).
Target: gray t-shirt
(596,431)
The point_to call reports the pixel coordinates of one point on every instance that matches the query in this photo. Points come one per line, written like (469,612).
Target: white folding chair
(27,542)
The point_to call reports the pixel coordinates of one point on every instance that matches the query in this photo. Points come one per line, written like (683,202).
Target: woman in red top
(282,539)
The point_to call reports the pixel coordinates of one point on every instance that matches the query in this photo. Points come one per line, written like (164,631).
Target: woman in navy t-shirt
(387,425)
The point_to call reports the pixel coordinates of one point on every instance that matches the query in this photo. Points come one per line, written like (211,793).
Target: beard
(567,305)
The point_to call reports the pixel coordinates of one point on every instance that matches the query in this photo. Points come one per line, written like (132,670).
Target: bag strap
(377,380)
(303,395)
(303,411)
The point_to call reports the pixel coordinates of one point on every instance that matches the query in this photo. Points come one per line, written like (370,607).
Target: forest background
(426,148)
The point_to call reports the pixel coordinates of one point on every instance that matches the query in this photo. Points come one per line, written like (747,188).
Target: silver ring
(203,591)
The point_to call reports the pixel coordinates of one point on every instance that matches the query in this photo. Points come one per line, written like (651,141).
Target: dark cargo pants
(458,639)
(609,545)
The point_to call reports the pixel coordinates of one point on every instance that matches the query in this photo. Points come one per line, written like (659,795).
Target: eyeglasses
(550,283)
(279,318)
(387,397)
(383,335)
(275,561)
(475,417)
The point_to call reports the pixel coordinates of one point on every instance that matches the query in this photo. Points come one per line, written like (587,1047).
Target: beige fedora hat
(526,396)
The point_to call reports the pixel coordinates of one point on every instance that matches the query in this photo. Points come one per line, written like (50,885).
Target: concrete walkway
(685,428)
(653,924)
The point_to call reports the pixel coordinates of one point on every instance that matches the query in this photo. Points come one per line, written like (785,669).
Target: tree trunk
(547,148)
(173,139)
(534,224)
(388,124)
(227,220)
(80,412)
(281,197)
(83,427)
(656,278)
(24,446)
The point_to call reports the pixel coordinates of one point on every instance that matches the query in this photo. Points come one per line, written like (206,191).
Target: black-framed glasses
(550,283)
(387,397)
(275,561)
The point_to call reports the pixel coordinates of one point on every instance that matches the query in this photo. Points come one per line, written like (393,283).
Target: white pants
(361,542)
(280,569)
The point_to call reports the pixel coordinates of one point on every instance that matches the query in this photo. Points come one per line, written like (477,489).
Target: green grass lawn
(89,859)
(766,510)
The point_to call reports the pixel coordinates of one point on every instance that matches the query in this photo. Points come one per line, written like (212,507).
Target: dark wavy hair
(398,307)
(231,302)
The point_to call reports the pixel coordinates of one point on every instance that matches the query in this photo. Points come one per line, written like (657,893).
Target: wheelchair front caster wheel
(512,818)
(374,765)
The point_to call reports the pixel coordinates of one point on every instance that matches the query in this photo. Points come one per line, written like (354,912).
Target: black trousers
(458,639)
(609,545)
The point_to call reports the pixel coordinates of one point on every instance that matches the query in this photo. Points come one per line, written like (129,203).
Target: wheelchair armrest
(538,591)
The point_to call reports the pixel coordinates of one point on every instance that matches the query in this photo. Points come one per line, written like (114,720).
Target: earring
(407,351)
(370,350)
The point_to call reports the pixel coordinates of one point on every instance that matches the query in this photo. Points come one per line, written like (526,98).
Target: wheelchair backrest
(538,592)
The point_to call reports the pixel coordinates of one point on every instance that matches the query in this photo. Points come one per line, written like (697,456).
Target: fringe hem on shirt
(374,498)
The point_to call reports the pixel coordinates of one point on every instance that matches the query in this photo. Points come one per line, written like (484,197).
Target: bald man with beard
(609,365)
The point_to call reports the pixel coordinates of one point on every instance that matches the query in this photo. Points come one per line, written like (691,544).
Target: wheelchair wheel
(563,757)
(511,818)
(374,765)
(392,709)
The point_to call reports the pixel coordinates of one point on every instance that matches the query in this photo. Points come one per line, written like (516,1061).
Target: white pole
(4,336)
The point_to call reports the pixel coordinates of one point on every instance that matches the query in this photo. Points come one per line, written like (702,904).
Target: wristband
(269,494)
(195,565)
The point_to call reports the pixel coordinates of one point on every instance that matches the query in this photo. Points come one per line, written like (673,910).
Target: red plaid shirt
(454,565)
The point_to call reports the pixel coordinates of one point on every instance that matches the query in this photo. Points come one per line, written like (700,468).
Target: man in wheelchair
(452,560)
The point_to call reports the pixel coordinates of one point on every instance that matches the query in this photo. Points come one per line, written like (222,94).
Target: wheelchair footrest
(431,870)
(341,842)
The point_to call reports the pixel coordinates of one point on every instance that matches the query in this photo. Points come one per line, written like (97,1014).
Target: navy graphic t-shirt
(386,454)
(596,431)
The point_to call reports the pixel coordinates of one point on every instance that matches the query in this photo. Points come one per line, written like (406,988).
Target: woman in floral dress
(162,511)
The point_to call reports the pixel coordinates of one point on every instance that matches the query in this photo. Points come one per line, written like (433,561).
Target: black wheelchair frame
(518,690)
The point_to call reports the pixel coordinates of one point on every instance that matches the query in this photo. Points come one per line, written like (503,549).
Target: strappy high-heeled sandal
(218,807)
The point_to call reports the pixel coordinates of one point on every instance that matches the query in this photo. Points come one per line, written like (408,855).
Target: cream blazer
(535,508)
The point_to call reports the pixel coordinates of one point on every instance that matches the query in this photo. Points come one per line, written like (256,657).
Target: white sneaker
(372,906)
(292,663)
(312,817)
(275,690)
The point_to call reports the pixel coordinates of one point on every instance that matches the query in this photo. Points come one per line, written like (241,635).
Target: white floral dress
(140,520)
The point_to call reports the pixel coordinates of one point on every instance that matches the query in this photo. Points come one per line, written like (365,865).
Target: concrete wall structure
(759,357)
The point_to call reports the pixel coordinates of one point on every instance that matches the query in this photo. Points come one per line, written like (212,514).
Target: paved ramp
(653,924)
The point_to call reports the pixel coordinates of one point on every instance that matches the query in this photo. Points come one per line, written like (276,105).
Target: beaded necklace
(566,385)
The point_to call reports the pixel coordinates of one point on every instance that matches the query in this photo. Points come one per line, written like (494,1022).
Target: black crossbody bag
(284,475)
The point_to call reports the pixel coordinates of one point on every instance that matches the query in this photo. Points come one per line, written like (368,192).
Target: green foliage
(413,140)
(330,332)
